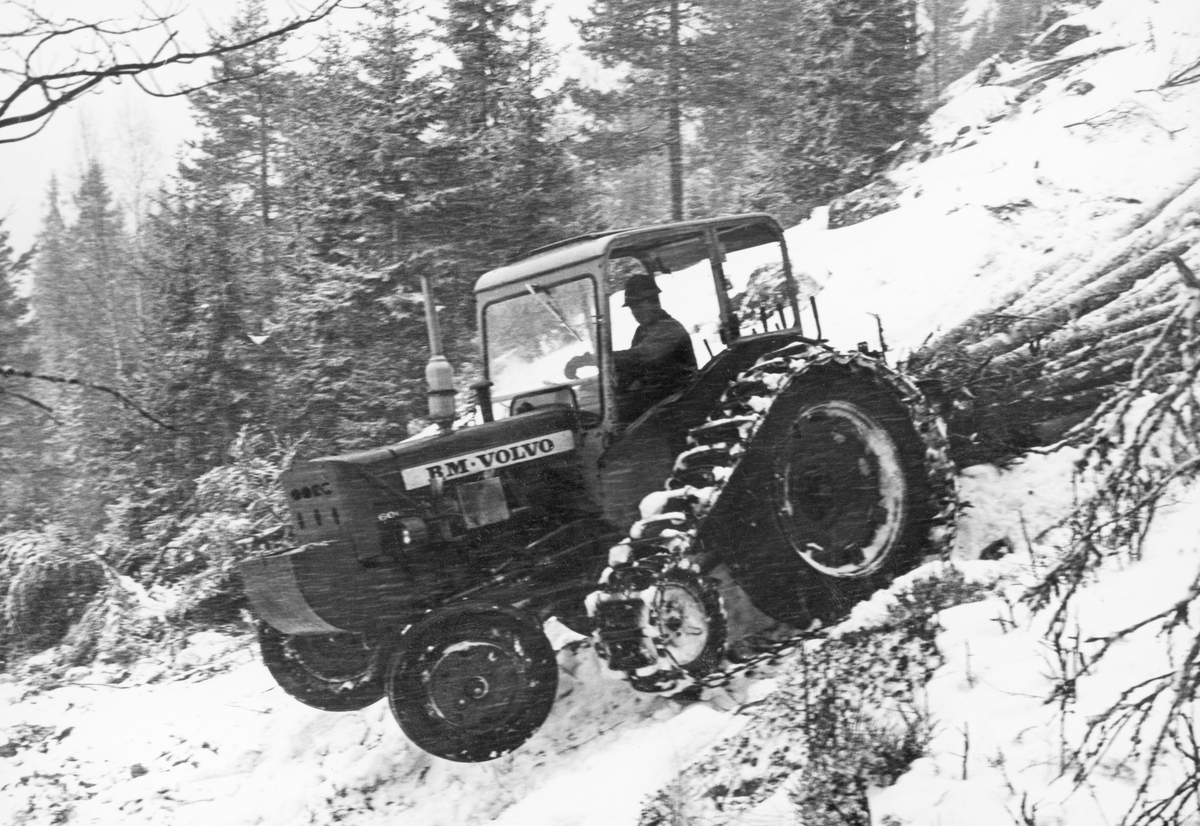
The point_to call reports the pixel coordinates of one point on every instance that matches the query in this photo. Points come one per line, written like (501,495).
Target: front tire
(473,681)
(331,673)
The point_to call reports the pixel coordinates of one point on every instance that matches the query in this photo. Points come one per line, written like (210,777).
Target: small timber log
(1026,384)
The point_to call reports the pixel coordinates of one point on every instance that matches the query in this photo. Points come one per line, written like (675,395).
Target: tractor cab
(633,331)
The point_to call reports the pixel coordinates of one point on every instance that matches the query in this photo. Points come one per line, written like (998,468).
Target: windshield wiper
(546,301)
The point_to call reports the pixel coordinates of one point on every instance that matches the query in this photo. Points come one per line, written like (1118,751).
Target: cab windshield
(542,338)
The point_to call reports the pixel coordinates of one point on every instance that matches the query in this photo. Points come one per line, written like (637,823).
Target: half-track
(424,571)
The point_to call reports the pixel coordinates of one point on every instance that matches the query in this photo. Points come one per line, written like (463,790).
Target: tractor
(587,492)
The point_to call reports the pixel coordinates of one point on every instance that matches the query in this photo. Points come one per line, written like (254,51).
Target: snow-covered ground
(1020,187)
(1035,181)
(216,741)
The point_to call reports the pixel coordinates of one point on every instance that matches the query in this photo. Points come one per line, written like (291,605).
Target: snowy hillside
(1039,164)
(1029,165)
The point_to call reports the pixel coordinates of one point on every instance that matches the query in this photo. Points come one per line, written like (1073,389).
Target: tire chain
(672,516)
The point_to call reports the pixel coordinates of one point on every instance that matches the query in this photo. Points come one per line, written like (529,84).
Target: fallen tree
(1023,373)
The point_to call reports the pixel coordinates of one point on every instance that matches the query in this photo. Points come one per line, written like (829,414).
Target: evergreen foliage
(19,412)
(86,304)
(782,105)
(945,47)
(504,171)
(854,95)
(657,42)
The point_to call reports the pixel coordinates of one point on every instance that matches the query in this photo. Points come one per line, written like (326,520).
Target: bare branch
(13,372)
(34,402)
(36,94)
(1186,75)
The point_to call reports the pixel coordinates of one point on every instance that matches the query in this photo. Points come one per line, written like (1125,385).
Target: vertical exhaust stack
(439,375)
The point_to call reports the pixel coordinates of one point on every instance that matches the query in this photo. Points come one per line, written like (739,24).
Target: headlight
(414,533)
(399,534)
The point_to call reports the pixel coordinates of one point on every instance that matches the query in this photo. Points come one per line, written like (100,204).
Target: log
(1097,293)
(1086,376)
(1169,216)
(1090,333)
(1139,231)
(1106,341)
(1045,69)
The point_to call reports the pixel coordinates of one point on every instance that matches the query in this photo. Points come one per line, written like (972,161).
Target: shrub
(918,603)
(48,581)
(146,576)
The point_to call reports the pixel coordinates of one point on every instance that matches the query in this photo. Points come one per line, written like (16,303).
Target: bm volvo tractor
(426,571)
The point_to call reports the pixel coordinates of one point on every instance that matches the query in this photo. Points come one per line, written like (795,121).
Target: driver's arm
(655,344)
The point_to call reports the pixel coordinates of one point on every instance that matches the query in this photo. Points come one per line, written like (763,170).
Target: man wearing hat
(660,359)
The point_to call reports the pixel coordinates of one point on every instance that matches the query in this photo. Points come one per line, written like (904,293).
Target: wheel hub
(328,659)
(840,489)
(472,684)
(682,623)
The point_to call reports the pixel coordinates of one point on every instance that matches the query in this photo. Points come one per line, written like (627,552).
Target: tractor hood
(412,465)
(363,497)
(369,524)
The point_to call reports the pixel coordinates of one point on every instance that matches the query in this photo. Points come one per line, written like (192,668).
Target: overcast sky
(135,136)
(117,123)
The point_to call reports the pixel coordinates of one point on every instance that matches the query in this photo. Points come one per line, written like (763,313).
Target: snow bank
(1007,731)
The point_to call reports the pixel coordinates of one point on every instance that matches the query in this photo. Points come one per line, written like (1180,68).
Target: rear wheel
(330,672)
(840,501)
(473,681)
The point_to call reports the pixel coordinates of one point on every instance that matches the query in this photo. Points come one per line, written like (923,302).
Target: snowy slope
(1015,183)
(1018,186)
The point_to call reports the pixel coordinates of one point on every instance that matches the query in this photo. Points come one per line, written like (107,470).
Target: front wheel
(473,681)
(331,672)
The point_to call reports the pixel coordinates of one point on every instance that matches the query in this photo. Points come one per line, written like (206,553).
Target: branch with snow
(1144,442)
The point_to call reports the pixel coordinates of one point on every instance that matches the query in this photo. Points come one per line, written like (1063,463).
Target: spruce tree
(14,307)
(349,328)
(655,41)
(85,311)
(853,94)
(506,178)
(21,418)
(944,52)
(241,116)
(83,286)
(199,374)
(213,264)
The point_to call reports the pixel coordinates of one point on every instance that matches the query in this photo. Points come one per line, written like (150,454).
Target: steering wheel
(571,371)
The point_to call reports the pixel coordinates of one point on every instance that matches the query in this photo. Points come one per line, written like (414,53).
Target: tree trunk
(675,114)
(1105,286)
(1007,392)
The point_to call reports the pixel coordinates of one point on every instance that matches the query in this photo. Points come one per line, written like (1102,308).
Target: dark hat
(640,286)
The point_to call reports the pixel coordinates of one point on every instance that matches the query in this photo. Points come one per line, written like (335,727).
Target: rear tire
(837,497)
(472,682)
(331,673)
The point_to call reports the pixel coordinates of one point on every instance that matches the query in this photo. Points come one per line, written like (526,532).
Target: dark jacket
(659,362)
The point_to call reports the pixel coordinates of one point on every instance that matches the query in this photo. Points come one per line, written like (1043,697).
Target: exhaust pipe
(439,375)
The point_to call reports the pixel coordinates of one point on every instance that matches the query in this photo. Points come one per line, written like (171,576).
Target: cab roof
(736,232)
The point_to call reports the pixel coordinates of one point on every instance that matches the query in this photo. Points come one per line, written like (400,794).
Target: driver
(660,359)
